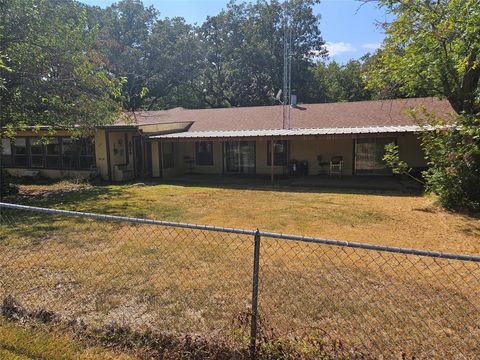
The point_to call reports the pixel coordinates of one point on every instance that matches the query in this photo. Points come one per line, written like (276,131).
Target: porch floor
(319,182)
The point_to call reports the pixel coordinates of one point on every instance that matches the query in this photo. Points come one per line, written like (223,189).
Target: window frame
(204,160)
(285,154)
(57,157)
(168,159)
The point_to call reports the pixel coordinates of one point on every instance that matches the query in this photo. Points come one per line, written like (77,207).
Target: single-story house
(342,138)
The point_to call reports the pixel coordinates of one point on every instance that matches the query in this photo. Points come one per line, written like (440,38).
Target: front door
(240,157)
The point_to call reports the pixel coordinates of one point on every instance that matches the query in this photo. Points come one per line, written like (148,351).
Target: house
(169,143)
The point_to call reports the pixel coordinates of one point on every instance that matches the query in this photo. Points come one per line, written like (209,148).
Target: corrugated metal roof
(289,132)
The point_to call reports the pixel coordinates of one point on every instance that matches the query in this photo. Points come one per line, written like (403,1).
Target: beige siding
(101,153)
(327,148)
(216,168)
(262,167)
(155,159)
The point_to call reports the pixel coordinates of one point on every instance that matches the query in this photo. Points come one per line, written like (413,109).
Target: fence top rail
(125,219)
(340,243)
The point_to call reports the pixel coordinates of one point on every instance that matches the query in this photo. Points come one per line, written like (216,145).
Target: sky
(348,27)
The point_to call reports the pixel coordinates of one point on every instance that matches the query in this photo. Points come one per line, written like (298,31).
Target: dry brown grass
(199,282)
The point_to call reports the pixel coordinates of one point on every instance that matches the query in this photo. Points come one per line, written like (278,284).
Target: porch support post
(272,158)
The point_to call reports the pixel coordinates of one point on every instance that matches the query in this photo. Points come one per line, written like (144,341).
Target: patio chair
(336,166)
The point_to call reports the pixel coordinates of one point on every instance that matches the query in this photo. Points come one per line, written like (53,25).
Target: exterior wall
(120,153)
(262,167)
(156,159)
(216,168)
(179,161)
(410,150)
(305,148)
(101,153)
(326,147)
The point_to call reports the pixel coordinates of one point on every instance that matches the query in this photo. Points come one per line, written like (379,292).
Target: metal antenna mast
(287,65)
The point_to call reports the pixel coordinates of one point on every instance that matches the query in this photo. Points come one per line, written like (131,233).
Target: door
(240,157)
(369,156)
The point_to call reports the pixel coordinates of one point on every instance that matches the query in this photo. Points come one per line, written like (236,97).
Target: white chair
(336,166)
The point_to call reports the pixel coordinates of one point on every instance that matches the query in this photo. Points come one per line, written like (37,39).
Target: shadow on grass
(368,185)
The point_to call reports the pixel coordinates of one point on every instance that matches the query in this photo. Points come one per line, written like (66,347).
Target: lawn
(388,219)
(189,281)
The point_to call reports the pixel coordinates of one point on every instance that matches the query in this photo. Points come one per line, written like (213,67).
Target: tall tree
(244,51)
(50,73)
(434,45)
(125,30)
(333,82)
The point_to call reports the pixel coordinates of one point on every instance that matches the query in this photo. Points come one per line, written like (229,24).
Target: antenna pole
(287,65)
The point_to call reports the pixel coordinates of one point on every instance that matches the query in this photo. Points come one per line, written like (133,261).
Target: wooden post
(272,159)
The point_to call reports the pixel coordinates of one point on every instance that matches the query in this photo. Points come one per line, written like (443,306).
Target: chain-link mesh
(370,302)
(173,280)
(192,280)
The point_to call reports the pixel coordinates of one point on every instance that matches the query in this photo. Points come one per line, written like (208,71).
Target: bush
(8,184)
(453,154)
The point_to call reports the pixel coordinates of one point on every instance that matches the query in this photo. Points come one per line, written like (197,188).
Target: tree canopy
(51,72)
(432,46)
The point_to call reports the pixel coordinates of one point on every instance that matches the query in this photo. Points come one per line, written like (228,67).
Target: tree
(434,45)
(125,30)
(243,65)
(51,75)
(333,82)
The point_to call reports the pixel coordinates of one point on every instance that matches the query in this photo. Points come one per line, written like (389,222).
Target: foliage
(333,82)
(51,73)
(432,46)
(244,51)
(453,154)
(392,159)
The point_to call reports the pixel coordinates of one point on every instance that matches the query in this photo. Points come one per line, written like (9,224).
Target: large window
(54,153)
(20,155)
(87,153)
(369,156)
(280,156)
(70,153)
(168,155)
(204,153)
(36,153)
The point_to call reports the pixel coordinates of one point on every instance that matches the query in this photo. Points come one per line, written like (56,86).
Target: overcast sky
(348,27)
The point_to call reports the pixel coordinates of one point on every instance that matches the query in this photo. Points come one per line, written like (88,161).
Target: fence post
(256,269)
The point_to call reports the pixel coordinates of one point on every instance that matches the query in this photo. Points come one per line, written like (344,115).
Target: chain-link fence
(242,288)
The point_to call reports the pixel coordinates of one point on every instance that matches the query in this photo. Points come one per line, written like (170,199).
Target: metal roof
(290,132)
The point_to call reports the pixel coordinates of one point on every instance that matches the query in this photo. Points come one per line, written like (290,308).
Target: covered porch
(296,157)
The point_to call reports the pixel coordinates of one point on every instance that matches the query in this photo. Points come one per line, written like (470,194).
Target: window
(204,153)
(6,152)
(36,152)
(168,155)
(369,156)
(52,154)
(20,156)
(280,157)
(87,153)
(69,153)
